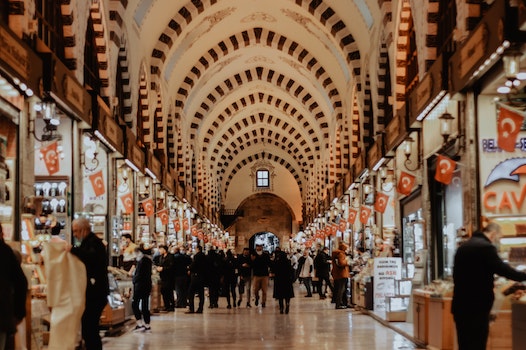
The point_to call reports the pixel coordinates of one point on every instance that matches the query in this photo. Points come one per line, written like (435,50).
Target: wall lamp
(408,150)
(46,109)
(91,151)
(511,59)
(445,125)
(386,178)
(124,187)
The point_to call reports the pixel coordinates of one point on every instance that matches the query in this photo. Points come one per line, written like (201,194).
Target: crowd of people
(242,279)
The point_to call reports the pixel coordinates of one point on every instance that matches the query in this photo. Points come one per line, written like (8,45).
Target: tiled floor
(311,324)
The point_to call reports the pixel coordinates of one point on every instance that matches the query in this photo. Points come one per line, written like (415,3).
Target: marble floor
(311,324)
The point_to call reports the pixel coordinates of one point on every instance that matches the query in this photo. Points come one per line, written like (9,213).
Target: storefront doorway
(269,241)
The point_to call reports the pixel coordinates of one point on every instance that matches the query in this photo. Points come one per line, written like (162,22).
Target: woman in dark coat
(283,277)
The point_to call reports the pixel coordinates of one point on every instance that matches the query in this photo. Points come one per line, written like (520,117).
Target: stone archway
(269,241)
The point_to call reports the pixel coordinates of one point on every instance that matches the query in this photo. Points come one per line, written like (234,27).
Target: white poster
(386,271)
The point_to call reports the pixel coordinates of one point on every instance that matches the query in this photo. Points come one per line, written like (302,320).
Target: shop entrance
(267,239)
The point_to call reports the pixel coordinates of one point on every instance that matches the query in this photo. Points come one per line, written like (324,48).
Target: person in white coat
(66,286)
(307,268)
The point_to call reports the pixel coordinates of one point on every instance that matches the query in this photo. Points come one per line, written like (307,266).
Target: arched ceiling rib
(253,79)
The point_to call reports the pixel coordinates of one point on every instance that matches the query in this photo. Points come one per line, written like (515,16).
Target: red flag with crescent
(445,168)
(127,203)
(381,202)
(97,182)
(334,229)
(194,230)
(163,215)
(206,239)
(342,226)
(508,128)
(177,225)
(352,216)
(50,156)
(200,235)
(405,183)
(365,212)
(148,207)
(186,224)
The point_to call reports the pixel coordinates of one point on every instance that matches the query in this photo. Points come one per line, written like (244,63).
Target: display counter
(421,315)
(441,325)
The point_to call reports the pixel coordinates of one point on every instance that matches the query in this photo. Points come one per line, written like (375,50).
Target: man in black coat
(322,264)
(142,288)
(92,253)
(13,292)
(165,267)
(476,262)
(182,263)
(198,272)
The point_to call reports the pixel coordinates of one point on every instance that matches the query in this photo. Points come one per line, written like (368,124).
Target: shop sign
(359,164)
(396,130)
(109,128)
(21,60)
(481,44)
(375,153)
(168,181)
(155,166)
(502,174)
(386,272)
(136,156)
(426,91)
(64,87)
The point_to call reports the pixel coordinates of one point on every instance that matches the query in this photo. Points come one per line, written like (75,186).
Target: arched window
(91,62)
(50,26)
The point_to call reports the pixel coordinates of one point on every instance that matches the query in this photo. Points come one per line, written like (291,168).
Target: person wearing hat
(142,288)
(340,275)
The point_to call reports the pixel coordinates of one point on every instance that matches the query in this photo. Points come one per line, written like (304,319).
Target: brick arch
(96,14)
(259,156)
(402,46)
(259,36)
(264,75)
(231,147)
(384,109)
(258,98)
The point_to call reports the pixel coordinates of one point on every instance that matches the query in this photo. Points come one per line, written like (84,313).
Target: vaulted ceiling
(253,79)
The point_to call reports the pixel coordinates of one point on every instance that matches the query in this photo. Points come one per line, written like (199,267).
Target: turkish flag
(97,182)
(508,127)
(50,156)
(186,224)
(206,239)
(342,226)
(352,216)
(381,202)
(127,203)
(177,225)
(149,208)
(334,229)
(445,168)
(163,215)
(405,183)
(365,212)
(194,230)
(200,235)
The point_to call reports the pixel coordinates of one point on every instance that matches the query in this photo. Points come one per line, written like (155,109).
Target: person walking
(322,266)
(245,276)
(283,279)
(142,288)
(198,270)
(340,274)
(476,263)
(306,271)
(166,272)
(92,253)
(13,292)
(260,269)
